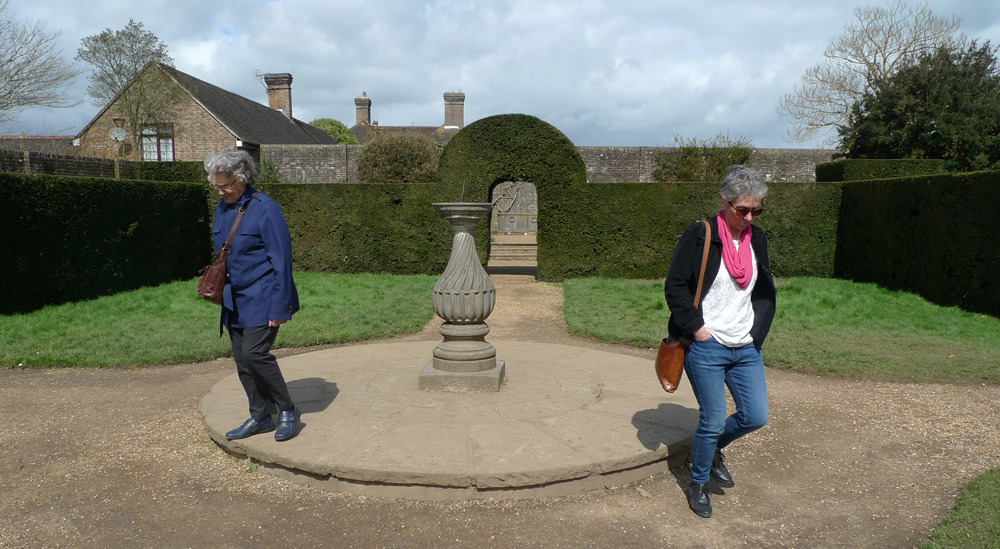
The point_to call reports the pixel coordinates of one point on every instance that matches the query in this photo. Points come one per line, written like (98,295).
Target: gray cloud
(603,72)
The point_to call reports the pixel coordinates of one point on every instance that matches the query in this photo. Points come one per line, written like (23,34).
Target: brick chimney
(279,92)
(363,105)
(454,110)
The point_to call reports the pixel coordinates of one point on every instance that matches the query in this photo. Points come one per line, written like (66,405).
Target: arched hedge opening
(512,147)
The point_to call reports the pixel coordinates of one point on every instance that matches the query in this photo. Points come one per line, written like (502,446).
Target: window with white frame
(158,143)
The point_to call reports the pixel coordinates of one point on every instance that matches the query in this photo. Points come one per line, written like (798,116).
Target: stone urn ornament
(463,297)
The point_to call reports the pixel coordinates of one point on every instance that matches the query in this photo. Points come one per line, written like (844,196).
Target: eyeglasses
(742,211)
(223,188)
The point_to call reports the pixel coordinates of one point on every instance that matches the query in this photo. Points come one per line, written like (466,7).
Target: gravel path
(119,458)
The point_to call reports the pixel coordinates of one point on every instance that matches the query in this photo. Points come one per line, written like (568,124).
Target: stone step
(513,261)
(510,253)
(514,252)
(504,239)
(518,248)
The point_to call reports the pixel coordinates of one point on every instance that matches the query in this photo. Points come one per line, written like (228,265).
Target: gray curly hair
(740,181)
(235,162)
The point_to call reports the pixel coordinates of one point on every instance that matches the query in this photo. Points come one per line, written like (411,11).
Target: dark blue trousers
(258,370)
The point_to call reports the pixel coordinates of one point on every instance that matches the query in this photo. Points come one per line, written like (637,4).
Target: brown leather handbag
(213,277)
(670,357)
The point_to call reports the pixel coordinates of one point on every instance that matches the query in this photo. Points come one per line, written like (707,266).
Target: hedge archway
(511,147)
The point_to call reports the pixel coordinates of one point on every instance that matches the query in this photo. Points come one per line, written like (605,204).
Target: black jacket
(682,282)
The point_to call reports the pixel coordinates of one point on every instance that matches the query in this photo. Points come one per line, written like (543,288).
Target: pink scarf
(738,263)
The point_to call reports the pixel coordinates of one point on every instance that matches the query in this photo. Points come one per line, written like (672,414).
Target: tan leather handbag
(670,357)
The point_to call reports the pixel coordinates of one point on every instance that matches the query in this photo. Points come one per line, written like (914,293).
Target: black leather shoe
(698,500)
(719,471)
(288,420)
(251,427)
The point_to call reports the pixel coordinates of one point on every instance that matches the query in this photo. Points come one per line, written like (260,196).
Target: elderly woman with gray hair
(726,331)
(260,295)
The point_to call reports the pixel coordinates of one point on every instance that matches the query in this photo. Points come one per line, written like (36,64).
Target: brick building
(201,118)
(454,120)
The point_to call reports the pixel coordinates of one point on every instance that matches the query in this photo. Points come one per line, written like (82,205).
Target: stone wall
(314,163)
(338,163)
(52,144)
(619,164)
(789,164)
(56,164)
(636,164)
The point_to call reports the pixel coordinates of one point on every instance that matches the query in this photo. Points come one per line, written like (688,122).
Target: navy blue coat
(260,263)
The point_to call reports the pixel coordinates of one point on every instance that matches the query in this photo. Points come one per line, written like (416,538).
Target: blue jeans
(711,367)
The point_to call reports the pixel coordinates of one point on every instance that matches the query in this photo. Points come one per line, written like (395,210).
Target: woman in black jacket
(727,330)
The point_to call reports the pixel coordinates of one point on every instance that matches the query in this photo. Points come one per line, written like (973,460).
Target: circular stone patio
(567,420)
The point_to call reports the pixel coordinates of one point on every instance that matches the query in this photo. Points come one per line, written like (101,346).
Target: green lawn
(170,324)
(822,326)
(974,523)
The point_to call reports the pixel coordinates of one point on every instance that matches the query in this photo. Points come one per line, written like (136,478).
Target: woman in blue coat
(260,295)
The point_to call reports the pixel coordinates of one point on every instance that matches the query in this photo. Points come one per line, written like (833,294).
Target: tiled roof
(437,134)
(249,120)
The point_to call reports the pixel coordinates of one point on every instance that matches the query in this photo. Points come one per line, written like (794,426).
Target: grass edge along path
(975,520)
(169,324)
(828,326)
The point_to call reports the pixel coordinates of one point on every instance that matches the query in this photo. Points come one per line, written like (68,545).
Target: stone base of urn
(463,362)
(432,379)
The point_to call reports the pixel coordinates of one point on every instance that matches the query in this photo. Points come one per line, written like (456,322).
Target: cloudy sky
(604,72)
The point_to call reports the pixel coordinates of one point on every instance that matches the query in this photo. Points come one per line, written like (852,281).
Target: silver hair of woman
(230,172)
(741,197)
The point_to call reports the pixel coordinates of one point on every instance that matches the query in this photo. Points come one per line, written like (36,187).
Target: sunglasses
(742,211)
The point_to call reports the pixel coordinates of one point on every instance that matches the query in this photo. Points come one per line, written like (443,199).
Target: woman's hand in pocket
(702,334)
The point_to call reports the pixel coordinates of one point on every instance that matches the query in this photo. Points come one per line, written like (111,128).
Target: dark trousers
(258,370)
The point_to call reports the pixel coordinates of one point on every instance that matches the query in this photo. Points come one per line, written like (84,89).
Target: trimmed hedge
(632,228)
(635,227)
(930,235)
(389,158)
(363,228)
(192,172)
(518,147)
(70,239)
(868,169)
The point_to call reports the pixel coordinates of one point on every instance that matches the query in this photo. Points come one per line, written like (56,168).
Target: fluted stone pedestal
(463,297)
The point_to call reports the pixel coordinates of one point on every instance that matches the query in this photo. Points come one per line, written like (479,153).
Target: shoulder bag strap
(704,262)
(232,232)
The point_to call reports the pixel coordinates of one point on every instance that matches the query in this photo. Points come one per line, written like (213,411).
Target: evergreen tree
(944,107)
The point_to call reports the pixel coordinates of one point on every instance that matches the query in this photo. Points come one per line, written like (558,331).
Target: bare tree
(880,42)
(128,74)
(32,70)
